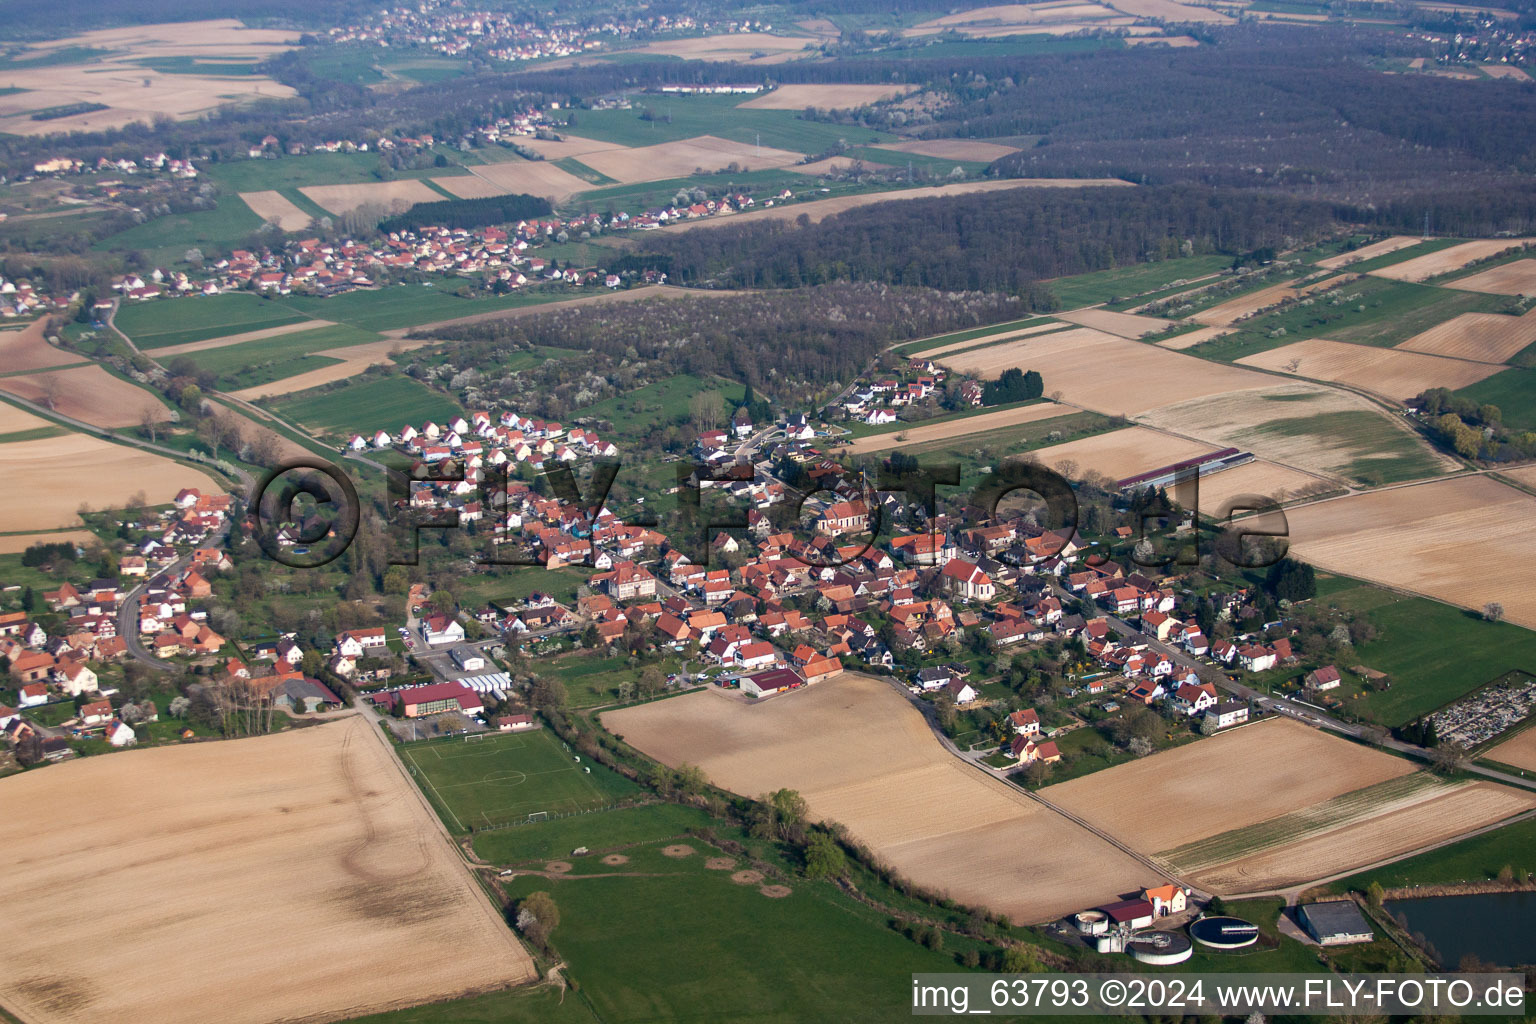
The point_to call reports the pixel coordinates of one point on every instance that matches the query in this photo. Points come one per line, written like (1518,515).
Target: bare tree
(52,391)
(149,421)
(1493,611)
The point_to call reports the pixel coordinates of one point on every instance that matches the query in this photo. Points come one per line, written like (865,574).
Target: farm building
(468,659)
(765,684)
(1336,923)
(1132,913)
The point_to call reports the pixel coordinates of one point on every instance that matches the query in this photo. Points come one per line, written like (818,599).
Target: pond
(1499,927)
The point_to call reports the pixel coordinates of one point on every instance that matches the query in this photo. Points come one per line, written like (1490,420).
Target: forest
(998,241)
(468,213)
(783,344)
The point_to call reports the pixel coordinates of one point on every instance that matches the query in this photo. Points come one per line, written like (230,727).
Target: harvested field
(1015,19)
(992,339)
(14,543)
(825,97)
(202,827)
(1266,770)
(1444,261)
(741,47)
(1310,428)
(1391,372)
(923,434)
(14,419)
(1193,338)
(954,149)
(1525,475)
(275,208)
(1368,252)
(681,159)
(1119,453)
(1170,10)
(660,291)
(87,393)
(28,349)
(1466,541)
(1123,325)
(133,91)
(816,209)
(391,195)
(1505,71)
(236,339)
(1244,306)
(354,360)
(1107,374)
(566,145)
(534,177)
(1516,278)
(62,473)
(1394,828)
(1520,751)
(1177,42)
(834,164)
(1263,479)
(861,755)
(1480,337)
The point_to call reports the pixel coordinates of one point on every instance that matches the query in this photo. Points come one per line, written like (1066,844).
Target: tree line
(468,213)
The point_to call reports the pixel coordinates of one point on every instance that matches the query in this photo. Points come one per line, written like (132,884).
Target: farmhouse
(1336,923)
(1166,899)
(1325,678)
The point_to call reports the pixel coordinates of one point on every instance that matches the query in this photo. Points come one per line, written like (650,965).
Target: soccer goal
(475,737)
(538,815)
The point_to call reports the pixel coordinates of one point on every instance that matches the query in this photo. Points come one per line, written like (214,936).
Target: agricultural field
(1466,540)
(389,195)
(87,393)
(329,797)
(1107,374)
(1262,479)
(250,364)
(1480,337)
(312,169)
(832,97)
(69,470)
(861,755)
(954,149)
(1368,252)
(1519,751)
(975,339)
(1122,325)
(534,177)
(502,778)
(675,118)
(260,334)
(363,406)
(734,47)
(956,340)
(1515,278)
(28,349)
(139,73)
(1120,453)
(1317,430)
(275,208)
(164,323)
(684,157)
(1511,391)
(1393,373)
(1189,339)
(1478,859)
(1445,261)
(953,428)
(1276,804)
(166,239)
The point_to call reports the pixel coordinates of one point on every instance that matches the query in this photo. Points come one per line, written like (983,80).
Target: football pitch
(497,778)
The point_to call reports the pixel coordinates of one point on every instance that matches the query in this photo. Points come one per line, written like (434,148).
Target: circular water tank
(1224,932)
(1160,948)
(1092,922)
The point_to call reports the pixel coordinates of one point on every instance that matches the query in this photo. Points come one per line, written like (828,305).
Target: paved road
(128,611)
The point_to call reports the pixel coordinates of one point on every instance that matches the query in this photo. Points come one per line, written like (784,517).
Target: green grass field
(165,240)
(665,401)
(365,405)
(604,830)
(683,117)
(507,776)
(269,359)
(1433,652)
(1372,449)
(314,169)
(1513,391)
(166,322)
(410,305)
(913,348)
(1136,279)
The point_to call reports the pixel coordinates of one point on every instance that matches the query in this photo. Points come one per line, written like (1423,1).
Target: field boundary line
(422,775)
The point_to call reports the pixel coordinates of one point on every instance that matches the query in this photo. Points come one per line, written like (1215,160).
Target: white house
(120,734)
(468,659)
(440,631)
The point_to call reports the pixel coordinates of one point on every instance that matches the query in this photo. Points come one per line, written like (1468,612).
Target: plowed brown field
(1394,373)
(1480,337)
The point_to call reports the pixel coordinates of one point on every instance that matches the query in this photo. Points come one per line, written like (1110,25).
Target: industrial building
(1337,923)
